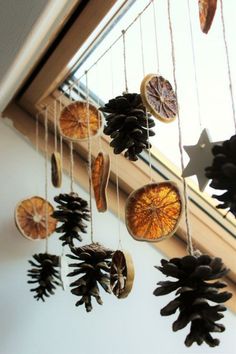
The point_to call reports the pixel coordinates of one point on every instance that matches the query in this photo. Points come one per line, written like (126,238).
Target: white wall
(129,326)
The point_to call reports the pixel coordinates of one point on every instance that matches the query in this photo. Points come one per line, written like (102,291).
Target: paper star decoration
(200,157)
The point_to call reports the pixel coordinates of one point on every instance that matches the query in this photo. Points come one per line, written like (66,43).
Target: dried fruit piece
(207,9)
(100,177)
(152,213)
(30,218)
(56,169)
(121,274)
(73,121)
(159,97)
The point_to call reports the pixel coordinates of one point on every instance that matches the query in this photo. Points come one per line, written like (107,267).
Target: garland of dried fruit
(194,274)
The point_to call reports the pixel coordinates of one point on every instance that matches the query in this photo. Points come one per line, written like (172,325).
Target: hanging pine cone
(94,267)
(72,212)
(194,291)
(45,274)
(223,173)
(126,123)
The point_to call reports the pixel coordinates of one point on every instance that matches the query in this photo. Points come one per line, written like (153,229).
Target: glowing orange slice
(30,218)
(207,9)
(100,177)
(152,213)
(159,97)
(74,118)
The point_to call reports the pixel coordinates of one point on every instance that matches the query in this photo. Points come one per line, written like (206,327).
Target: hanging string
(189,237)
(194,67)
(118,203)
(55,125)
(37,133)
(89,158)
(46,175)
(155,33)
(100,115)
(125,64)
(71,168)
(143,68)
(228,63)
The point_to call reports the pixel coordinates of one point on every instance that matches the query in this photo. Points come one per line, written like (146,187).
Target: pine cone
(44,273)
(223,173)
(72,211)
(194,291)
(94,267)
(126,123)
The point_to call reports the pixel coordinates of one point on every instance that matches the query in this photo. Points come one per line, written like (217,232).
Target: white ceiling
(25,29)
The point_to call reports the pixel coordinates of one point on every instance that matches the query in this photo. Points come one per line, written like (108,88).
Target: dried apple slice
(100,177)
(207,9)
(152,213)
(30,218)
(121,274)
(56,172)
(73,121)
(159,97)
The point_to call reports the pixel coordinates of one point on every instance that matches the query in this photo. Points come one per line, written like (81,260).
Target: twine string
(118,203)
(100,115)
(71,168)
(37,133)
(147,123)
(156,38)
(125,62)
(89,158)
(228,64)
(55,125)
(61,138)
(194,67)
(46,176)
(189,237)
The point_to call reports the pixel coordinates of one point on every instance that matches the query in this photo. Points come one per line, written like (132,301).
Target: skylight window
(201,69)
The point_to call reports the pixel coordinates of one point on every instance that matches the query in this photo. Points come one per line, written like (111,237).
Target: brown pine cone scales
(223,174)
(93,270)
(72,212)
(195,286)
(45,274)
(128,125)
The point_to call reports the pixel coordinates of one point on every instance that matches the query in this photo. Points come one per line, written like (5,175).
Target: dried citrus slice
(56,174)
(152,213)
(121,274)
(159,97)
(207,9)
(74,118)
(100,177)
(30,218)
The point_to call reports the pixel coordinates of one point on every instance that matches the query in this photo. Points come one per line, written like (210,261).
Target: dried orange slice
(56,172)
(152,213)
(30,218)
(100,177)
(207,9)
(159,97)
(73,121)
(121,274)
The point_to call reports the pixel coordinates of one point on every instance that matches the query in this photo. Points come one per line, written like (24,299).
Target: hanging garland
(44,275)
(194,289)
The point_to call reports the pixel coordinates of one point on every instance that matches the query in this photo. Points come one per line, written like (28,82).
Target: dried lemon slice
(152,213)
(159,97)
(56,174)
(121,274)
(30,218)
(74,118)
(100,177)
(207,9)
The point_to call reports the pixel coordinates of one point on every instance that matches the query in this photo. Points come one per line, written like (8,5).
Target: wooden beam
(132,175)
(56,68)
